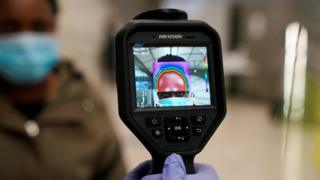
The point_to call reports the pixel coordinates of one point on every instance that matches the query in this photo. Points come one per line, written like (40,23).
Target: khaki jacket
(71,139)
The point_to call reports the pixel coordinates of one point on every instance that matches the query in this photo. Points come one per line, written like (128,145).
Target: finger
(174,168)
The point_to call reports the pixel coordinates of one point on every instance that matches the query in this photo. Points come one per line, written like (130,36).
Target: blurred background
(272,67)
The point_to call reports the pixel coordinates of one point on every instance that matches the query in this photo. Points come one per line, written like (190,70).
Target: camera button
(182,138)
(175,118)
(177,129)
(198,120)
(178,139)
(197,131)
(157,133)
(153,122)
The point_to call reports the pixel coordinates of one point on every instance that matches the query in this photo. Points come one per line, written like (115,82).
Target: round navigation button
(157,133)
(32,128)
(198,120)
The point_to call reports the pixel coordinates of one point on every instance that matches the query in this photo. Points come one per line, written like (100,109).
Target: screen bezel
(199,39)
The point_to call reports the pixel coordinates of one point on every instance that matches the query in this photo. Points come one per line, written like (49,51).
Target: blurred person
(52,124)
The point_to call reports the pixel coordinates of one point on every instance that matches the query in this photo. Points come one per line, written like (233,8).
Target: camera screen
(175,76)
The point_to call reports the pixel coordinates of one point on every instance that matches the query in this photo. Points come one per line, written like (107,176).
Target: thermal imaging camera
(170,83)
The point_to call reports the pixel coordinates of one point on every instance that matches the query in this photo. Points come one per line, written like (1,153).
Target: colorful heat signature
(205,64)
(171,76)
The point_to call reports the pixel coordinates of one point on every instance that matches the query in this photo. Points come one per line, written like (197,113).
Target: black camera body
(170,83)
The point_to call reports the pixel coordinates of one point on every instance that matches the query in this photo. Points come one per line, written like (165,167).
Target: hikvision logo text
(170,36)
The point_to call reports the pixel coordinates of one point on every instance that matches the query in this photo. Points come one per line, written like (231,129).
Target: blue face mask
(27,58)
(174,102)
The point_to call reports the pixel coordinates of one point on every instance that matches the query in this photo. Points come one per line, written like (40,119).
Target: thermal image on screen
(171,76)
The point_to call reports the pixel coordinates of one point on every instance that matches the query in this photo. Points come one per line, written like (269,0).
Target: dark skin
(19,16)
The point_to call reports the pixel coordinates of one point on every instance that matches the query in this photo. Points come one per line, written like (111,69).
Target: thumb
(174,168)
